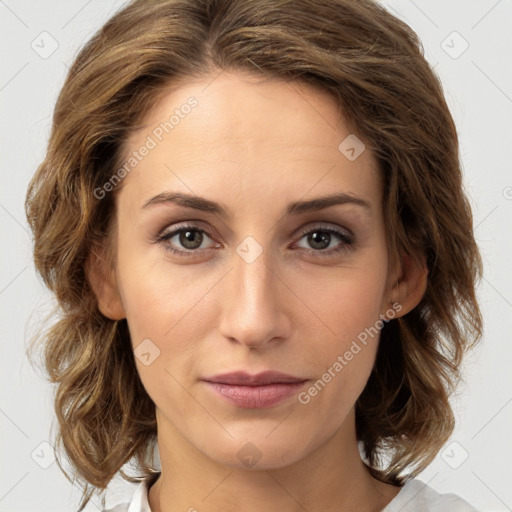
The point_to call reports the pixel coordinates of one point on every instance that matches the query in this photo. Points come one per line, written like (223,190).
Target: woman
(252,216)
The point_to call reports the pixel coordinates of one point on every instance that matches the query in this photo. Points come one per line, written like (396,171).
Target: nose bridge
(252,274)
(253,313)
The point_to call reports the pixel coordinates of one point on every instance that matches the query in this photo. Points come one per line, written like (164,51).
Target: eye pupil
(319,239)
(191,239)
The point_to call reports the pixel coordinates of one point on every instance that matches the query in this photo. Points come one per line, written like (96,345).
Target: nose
(255,303)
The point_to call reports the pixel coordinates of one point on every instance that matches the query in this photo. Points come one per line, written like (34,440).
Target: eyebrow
(297,207)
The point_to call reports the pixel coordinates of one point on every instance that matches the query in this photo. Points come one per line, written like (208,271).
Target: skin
(254,146)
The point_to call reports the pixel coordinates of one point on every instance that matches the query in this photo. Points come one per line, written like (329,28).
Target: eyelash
(346,238)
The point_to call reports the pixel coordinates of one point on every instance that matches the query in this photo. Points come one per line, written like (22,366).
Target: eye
(185,240)
(323,240)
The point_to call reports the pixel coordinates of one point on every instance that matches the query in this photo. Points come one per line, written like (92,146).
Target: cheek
(349,301)
(348,333)
(169,313)
(160,298)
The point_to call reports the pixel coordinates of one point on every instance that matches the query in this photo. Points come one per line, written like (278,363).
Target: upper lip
(242,378)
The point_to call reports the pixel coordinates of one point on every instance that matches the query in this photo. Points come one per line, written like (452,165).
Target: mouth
(255,391)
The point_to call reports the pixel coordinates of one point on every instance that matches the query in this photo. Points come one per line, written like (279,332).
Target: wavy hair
(373,65)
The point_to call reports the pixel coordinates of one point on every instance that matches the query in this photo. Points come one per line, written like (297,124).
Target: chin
(258,451)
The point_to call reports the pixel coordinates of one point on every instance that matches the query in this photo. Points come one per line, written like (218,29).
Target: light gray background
(478,85)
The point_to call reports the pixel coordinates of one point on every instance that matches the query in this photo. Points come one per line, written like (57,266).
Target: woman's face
(273,282)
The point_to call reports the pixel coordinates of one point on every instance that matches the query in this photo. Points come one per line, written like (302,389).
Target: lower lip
(256,397)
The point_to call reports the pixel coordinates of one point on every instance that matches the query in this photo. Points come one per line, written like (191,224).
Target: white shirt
(415,496)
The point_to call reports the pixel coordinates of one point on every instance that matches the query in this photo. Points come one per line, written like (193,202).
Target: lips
(261,379)
(262,390)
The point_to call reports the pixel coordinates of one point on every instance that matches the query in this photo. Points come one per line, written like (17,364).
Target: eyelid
(326,226)
(166,233)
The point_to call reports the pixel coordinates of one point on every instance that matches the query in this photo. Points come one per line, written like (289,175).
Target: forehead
(237,133)
(242,109)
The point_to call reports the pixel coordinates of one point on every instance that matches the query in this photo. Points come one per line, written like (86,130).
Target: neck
(331,477)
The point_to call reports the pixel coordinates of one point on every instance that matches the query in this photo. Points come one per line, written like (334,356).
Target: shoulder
(138,501)
(120,507)
(417,496)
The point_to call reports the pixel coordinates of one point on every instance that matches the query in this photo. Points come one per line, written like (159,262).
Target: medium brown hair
(373,65)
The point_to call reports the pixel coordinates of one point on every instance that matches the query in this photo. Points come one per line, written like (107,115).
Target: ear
(409,283)
(104,284)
